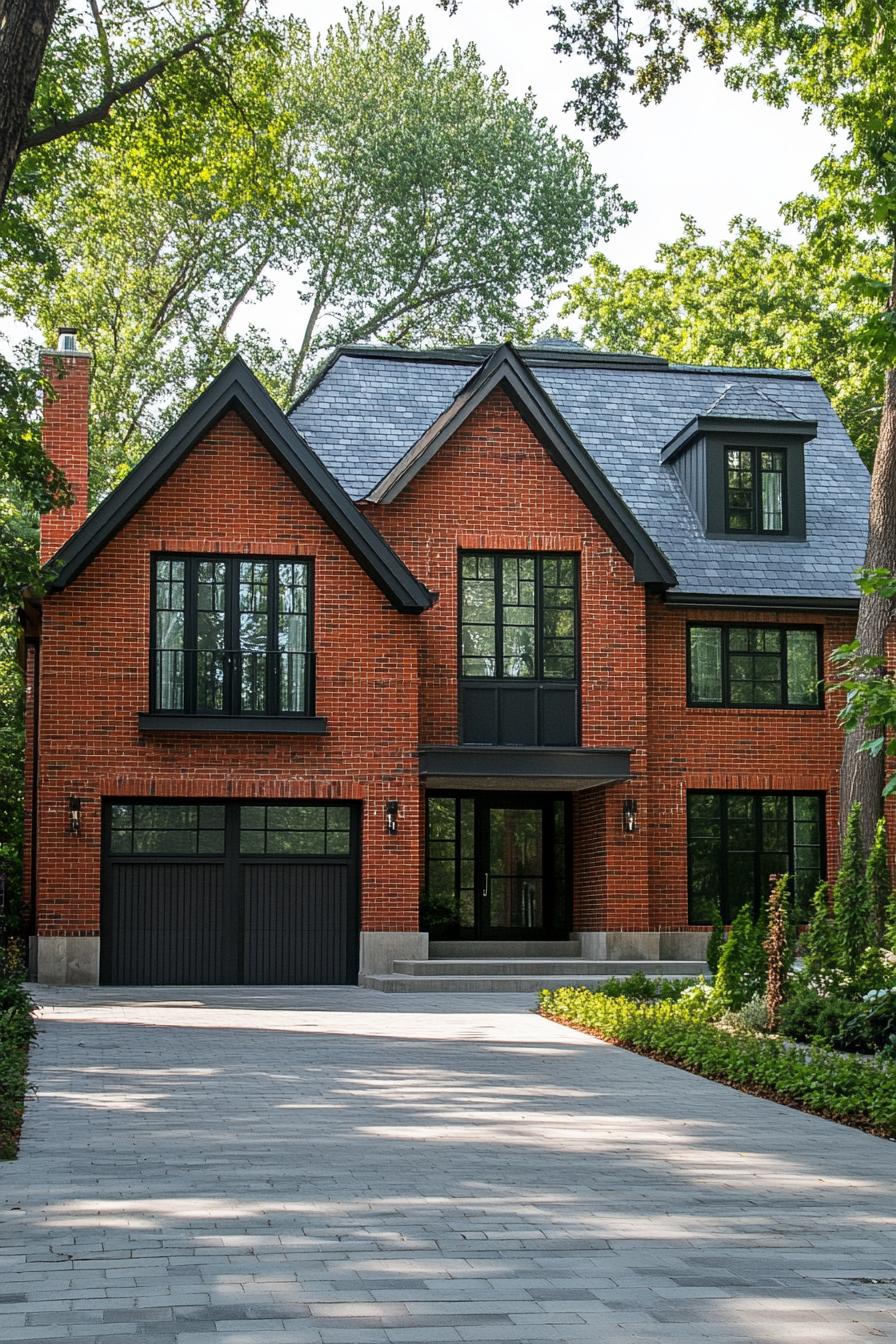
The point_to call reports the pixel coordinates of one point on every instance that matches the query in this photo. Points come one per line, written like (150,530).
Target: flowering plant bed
(851,1089)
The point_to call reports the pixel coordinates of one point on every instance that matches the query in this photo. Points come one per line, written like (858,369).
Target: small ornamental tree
(890,923)
(716,942)
(737,981)
(820,949)
(877,880)
(777,947)
(852,914)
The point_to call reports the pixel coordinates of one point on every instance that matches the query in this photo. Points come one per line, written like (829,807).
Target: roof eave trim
(506,369)
(761,602)
(738,427)
(237,388)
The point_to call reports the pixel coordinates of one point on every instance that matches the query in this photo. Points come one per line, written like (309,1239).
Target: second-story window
(518,616)
(231,636)
(755,666)
(754,490)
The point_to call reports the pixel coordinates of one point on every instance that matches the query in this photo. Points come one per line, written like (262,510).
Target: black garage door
(207,893)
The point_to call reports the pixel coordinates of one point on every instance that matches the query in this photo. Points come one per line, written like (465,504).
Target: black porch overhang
(552,768)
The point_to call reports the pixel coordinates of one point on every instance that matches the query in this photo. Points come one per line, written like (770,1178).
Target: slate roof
(743,402)
(371,405)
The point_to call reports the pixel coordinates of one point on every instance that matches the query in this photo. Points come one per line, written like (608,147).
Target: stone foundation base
(643,945)
(380,949)
(66,961)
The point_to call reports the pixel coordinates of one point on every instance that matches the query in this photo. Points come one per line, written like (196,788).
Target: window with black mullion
(518,616)
(231,635)
(754,490)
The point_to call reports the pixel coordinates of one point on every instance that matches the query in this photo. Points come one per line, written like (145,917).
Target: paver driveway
(345,1166)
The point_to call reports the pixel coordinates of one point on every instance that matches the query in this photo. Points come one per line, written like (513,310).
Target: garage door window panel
(167,829)
(295,830)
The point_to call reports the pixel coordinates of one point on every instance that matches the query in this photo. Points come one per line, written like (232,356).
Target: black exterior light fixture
(74,815)
(392,817)
(629,816)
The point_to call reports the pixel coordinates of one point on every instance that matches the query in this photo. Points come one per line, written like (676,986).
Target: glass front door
(496,867)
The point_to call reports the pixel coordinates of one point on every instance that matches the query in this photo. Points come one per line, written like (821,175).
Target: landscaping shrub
(877,880)
(754,1016)
(856,1090)
(808,1015)
(820,952)
(16,1033)
(741,973)
(716,943)
(642,989)
(852,912)
(870,1026)
(778,949)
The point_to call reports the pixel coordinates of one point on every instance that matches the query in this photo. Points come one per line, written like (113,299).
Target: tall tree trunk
(24,29)
(862,775)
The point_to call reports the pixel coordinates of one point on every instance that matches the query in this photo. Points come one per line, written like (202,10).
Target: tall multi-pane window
(755,666)
(754,490)
(737,841)
(518,616)
(231,636)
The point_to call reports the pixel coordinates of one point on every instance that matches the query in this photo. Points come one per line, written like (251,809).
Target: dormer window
(755,490)
(740,464)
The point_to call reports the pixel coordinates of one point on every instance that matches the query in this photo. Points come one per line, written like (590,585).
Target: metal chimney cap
(68,340)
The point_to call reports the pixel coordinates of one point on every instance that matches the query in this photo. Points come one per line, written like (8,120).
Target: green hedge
(858,1091)
(16,1033)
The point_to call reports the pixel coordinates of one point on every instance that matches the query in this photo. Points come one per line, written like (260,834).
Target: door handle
(485,877)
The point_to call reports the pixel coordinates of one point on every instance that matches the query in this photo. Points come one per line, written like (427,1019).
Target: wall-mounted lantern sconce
(629,816)
(74,816)
(392,817)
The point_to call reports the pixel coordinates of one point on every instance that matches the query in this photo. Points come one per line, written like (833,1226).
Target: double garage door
(209,893)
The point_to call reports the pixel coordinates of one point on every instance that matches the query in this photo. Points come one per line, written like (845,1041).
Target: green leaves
(404,194)
(754,301)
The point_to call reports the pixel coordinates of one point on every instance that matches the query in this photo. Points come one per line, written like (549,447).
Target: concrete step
(481,984)
(571,968)
(519,949)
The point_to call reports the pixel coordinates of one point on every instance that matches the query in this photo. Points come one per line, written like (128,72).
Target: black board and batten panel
(229,893)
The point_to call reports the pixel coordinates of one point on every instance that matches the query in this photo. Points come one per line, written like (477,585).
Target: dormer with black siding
(741,465)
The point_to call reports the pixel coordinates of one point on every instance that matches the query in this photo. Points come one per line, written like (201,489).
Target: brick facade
(387,682)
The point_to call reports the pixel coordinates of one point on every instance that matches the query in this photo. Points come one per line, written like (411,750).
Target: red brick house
(481,648)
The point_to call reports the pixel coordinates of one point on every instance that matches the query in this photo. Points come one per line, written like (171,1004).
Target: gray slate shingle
(367,412)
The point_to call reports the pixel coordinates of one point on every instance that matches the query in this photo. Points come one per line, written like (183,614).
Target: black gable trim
(237,388)
(506,369)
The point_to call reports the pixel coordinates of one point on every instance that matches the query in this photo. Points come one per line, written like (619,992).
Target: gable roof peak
(507,370)
(237,388)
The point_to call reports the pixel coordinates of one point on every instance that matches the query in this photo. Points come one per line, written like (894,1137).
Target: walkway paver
(337,1166)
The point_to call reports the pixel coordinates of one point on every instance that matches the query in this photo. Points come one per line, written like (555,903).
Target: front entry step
(500,950)
(480,976)
(572,968)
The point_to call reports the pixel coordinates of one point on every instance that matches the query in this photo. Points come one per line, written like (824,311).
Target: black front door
(496,866)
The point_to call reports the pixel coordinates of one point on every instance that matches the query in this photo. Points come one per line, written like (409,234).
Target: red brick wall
(493,487)
(227,496)
(380,674)
(777,750)
(65,441)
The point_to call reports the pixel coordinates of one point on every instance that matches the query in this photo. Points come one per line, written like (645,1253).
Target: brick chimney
(67,371)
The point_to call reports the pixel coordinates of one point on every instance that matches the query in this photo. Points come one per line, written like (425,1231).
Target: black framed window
(755,495)
(754,666)
(736,841)
(231,636)
(167,828)
(518,616)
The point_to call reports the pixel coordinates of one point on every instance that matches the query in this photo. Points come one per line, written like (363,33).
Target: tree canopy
(405,194)
(753,300)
